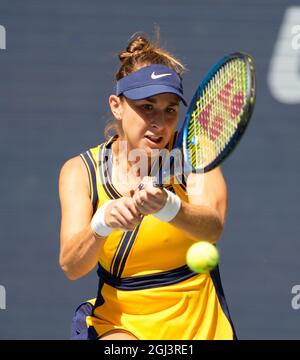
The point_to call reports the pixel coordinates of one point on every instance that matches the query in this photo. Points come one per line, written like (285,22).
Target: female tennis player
(139,237)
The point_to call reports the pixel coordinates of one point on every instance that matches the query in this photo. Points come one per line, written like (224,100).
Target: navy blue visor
(149,81)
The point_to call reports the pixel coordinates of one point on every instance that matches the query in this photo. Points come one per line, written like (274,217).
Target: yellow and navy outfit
(145,286)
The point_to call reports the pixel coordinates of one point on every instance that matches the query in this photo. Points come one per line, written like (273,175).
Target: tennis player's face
(149,123)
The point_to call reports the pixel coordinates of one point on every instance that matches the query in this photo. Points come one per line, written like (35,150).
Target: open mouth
(154,139)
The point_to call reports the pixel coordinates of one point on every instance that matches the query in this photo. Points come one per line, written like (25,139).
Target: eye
(147,107)
(171,110)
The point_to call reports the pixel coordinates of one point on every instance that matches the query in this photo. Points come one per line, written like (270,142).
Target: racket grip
(157,184)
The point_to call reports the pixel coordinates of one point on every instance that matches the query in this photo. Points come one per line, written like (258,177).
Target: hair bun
(142,52)
(137,45)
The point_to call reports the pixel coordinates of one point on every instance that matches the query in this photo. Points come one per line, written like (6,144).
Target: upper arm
(74,194)
(209,189)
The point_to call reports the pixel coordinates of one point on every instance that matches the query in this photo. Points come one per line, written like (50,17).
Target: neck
(130,164)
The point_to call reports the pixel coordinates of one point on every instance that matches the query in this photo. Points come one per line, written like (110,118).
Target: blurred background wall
(56,73)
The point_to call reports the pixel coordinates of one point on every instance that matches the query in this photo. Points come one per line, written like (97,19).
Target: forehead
(169,98)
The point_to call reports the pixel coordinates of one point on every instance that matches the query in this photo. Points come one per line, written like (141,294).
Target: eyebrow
(154,101)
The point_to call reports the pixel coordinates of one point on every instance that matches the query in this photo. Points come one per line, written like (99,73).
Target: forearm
(200,222)
(79,255)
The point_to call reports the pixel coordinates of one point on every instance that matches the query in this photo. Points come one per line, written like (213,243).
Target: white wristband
(98,224)
(171,208)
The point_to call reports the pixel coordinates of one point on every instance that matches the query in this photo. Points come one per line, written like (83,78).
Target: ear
(116,106)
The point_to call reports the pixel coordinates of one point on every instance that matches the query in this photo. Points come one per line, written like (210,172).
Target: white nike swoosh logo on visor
(154,76)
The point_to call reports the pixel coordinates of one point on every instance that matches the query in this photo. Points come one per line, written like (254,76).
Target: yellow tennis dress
(145,286)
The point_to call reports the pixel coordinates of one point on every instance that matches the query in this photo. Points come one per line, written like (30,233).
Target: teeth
(155,138)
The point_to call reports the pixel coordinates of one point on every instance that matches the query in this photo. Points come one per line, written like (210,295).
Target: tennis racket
(215,121)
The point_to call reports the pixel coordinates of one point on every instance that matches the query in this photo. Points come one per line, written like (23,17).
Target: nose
(158,120)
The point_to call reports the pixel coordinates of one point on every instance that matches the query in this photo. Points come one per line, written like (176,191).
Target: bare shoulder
(74,164)
(74,194)
(73,174)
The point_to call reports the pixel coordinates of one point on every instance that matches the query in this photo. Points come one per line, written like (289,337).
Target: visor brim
(152,90)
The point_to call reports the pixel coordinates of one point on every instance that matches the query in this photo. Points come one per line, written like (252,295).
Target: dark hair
(139,53)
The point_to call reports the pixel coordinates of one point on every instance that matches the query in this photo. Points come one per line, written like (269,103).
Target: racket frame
(247,111)
(182,139)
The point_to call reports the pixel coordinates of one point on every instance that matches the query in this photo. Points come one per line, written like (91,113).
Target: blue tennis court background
(56,74)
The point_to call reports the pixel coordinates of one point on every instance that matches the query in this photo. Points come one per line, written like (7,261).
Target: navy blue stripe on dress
(107,170)
(127,251)
(87,169)
(92,167)
(94,177)
(146,281)
(103,180)
(215,276)
(92,158)
(121,252)
(116,252)
(105,175)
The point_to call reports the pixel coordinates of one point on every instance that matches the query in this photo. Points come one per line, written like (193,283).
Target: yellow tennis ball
(202,257)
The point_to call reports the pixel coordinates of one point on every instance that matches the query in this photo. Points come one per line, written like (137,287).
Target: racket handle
(157,184)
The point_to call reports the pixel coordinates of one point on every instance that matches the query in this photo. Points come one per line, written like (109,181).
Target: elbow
(69,274)
(68,271)
(217,230)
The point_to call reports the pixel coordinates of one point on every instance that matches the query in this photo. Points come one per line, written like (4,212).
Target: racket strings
(217,113)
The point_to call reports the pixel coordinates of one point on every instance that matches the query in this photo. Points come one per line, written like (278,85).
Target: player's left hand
(150,198)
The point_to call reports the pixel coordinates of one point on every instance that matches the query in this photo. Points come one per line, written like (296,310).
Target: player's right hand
(122,213)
